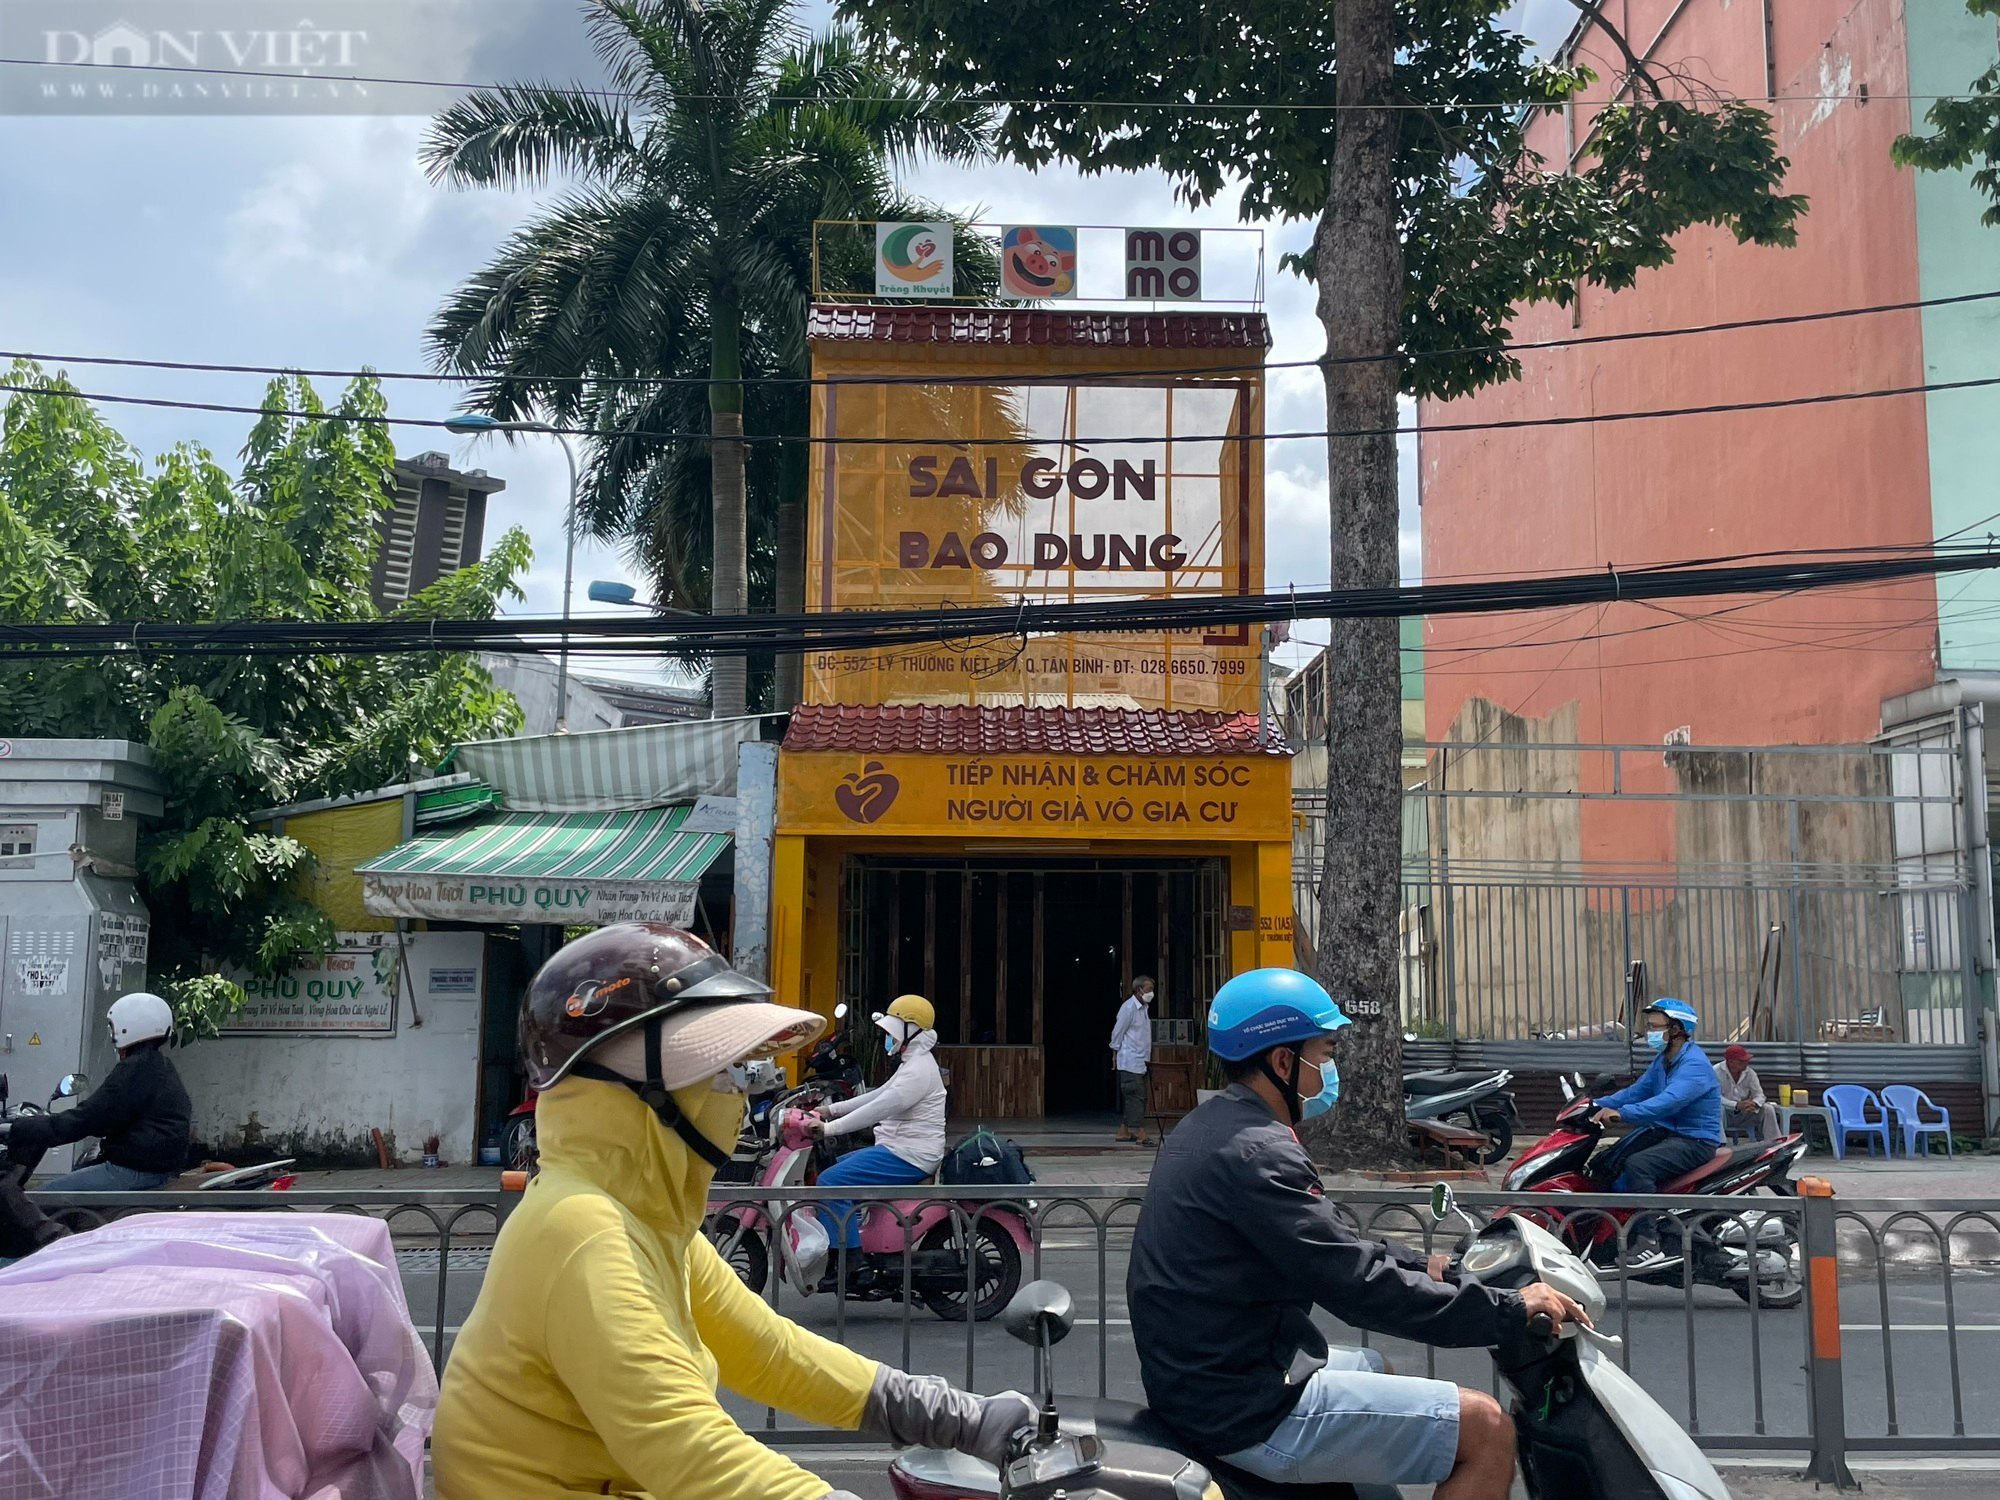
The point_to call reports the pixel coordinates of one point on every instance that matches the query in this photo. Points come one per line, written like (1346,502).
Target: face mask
(1329,1091)
(894,1044)
(1146,996)
(1657,1040)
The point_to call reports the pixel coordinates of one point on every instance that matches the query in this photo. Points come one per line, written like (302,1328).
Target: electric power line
(664,381)
(1252,105)
(1153,440)
(878,629)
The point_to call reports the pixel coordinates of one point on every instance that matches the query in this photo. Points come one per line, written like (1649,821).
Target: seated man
(1743,1092)
(1235,1245)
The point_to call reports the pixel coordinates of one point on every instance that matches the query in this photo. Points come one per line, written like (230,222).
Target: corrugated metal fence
(1805,895)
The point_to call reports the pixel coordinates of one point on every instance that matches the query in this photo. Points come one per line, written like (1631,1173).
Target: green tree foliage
(683,249)
(87,533)
(1963,131)
(1218,91)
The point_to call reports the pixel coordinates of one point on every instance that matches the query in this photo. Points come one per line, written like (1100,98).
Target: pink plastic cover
(213,1356)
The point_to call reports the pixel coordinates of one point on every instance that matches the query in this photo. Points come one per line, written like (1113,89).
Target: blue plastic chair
(1909,1104)
(1850,1104)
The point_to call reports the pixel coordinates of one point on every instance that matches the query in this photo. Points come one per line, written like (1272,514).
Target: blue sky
(317,242)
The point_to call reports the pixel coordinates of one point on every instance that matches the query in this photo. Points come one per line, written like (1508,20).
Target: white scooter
(1586,1429)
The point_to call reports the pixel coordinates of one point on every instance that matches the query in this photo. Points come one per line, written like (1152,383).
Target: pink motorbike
(932,1250)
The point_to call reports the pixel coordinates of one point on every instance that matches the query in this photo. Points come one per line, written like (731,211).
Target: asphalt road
(1745,1376)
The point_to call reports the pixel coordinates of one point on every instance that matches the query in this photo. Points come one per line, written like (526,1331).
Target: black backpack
(984,1159)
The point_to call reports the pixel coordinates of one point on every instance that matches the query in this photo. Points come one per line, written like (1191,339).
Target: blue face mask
(1657,1040)
(1329,1091)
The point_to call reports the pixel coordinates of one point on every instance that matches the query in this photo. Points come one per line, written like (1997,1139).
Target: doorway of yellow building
(1027,958)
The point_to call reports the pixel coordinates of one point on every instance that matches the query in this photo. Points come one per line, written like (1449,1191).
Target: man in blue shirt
(1676,1106)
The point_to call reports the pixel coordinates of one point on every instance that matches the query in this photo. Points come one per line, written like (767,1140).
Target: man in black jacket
(1235,1245)
(141,1110)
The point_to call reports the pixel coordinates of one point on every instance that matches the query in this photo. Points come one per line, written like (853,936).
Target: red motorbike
(1566,1160)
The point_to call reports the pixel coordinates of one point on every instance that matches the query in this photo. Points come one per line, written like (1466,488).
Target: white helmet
(138,1017)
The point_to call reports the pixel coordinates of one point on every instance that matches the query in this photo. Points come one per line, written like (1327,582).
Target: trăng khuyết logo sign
(912,260)
(864,795)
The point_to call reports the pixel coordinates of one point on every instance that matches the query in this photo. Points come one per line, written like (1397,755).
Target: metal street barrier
(1783,1363)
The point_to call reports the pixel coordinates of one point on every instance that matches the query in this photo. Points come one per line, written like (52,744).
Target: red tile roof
(1019,325)
(869,729)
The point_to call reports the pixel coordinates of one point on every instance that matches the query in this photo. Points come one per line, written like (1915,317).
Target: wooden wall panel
(1175,1075)
(993,1082)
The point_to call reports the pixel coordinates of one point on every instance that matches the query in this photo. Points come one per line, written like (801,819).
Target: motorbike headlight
(1488,1257)
(1526,1168)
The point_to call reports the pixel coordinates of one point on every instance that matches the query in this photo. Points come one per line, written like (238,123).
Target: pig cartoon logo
(1037,262)
(864,795)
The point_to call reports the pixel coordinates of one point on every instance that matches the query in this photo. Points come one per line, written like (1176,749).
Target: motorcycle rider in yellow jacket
(606,1320)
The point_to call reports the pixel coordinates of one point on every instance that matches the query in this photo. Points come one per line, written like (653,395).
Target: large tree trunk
(729,579)
(1358,263)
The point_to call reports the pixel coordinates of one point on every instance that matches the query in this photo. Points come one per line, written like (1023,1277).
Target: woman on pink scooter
(907,1113)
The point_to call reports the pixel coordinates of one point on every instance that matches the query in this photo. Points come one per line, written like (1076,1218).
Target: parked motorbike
(1566,1161)
(1585,1429)
(1475,1100)
(940,1268)
(831,1064)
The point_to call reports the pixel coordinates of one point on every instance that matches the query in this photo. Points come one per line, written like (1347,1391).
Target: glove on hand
(927,1411)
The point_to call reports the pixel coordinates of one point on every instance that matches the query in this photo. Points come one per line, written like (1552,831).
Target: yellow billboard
(952,487)
(1178,797)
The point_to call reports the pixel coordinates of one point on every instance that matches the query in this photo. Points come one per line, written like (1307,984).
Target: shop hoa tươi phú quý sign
(1191,798)
(499,898)
(356,989)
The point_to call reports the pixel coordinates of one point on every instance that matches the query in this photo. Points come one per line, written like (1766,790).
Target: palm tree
(681,249)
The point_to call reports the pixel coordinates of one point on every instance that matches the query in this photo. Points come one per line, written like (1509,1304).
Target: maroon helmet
(618,978)
(614,979)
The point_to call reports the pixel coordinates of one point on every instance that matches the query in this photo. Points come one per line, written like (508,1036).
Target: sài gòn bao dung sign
(1067,491)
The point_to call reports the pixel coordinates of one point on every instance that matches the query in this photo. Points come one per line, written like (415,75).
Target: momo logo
(864,795)
(591,998)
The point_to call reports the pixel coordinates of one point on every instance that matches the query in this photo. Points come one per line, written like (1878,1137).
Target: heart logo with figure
(864,795)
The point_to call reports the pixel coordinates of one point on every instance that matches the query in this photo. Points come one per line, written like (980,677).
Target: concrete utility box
(73,931)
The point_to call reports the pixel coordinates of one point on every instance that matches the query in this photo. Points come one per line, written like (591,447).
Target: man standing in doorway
(1132,1041)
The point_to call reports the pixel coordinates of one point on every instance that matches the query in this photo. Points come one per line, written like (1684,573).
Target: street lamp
(477,424)
(601,591)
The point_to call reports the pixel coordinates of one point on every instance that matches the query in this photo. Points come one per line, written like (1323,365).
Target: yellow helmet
(914,1009)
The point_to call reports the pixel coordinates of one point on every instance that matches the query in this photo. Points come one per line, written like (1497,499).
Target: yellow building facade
(1015,828)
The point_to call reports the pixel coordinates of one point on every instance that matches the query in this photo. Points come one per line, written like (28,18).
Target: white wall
(320,1095)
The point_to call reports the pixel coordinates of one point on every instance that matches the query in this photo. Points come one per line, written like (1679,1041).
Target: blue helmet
(1677,1010)
(1268,1008)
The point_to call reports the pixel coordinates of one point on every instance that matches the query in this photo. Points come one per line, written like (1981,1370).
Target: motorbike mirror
(1442,1201)
(840,1011)
(1567,1092)
(70,1085)
(1040,1307)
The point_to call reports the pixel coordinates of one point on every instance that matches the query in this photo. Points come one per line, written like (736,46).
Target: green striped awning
(638,865)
